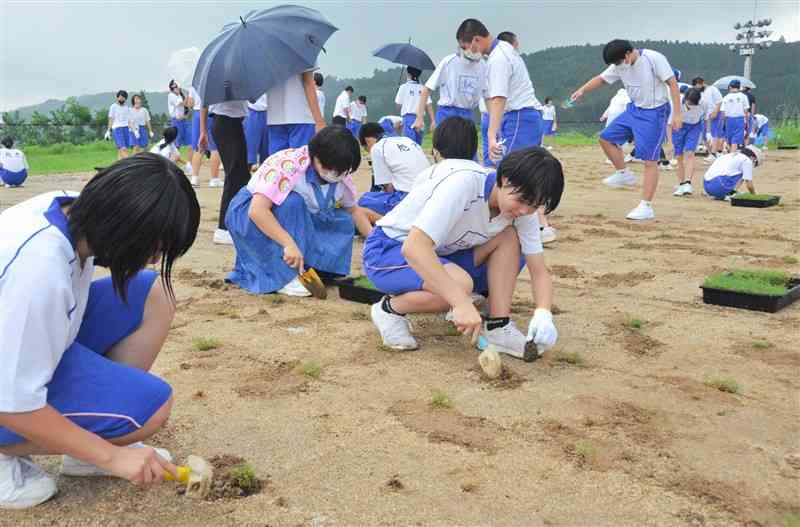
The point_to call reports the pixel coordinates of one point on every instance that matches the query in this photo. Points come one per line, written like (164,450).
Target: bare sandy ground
(631,437)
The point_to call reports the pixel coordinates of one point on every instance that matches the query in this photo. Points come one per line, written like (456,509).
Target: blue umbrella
(722,84)
(405,54)
(263,49)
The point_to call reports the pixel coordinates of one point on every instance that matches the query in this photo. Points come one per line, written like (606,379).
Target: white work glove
(151,134)
(108,135)
(542,331)
(708,137)
(187,169)
(135,133)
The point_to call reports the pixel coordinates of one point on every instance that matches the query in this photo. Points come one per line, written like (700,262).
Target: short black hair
(535,174)
(693,96)
(336,148)
(547,100)
(123,93)
(414,72)
(456,138)
(139,208)
(318,79)
(170,135)
(749,153)
(507,36)
(362,98)
(469,29)
(373,130)
(7,142)
(698,80)
(614,52)
(349,88)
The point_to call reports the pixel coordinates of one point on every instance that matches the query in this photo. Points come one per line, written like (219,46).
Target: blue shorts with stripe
(646,127)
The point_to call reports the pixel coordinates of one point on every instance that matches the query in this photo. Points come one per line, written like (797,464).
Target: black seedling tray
(788,147)
(770,304)
(363,295)
(756,203)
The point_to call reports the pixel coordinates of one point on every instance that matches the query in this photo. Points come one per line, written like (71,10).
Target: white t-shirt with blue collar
(508,77)
(461,82)
(645,80)
(43,295)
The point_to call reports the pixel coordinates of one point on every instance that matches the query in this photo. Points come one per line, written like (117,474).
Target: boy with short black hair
(650,82)
(711,99)
(735,109)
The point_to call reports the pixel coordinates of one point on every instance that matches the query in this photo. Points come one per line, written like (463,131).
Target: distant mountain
(556,72)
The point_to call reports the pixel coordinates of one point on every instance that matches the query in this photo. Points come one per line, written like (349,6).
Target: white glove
(151,134)
(708,136)
(135,133)
(542,331)
(187,169)
(108,135)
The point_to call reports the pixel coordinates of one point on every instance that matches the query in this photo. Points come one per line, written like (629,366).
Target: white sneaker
(549,148)
(643,211)
(629,158)
(710,158)
(394,329)
(195,182)
(683,189)
(294,288)
(23,484)
(548,234)
(510,340)
(222,237)
(621,178)
(75,467)
(215,183)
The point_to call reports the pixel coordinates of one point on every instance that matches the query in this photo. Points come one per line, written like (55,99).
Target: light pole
(751,36)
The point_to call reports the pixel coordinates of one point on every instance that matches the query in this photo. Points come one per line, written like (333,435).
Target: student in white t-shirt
(119,125)
(396,163)
(141,130)
(735,109)
(255,132)
(13,164)
(651,85)
(76,351)
(726,174)
(461,84)
(460,231)
(711,100)
(407,101)
(210,148)
(168,149)
(760,133)
(358,115)
(319,80)
(687,137)
(178,110)
(549,123)
(341,110)
(294,115)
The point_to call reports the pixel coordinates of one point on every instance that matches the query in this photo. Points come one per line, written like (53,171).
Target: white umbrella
(181,65)
(722,84)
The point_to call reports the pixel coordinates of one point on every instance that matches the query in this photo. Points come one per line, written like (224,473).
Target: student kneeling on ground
(297,210)
(461,230)
(726,174)
(76,352)
(396,163)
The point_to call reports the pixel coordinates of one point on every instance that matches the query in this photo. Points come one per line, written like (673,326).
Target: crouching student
(13,165)
(726,174)
(396,162)
(392,125)
(297,212)
(461,230)
(76,352)
(686,138)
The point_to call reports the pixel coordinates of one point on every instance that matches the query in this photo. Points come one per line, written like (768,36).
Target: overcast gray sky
(58,49)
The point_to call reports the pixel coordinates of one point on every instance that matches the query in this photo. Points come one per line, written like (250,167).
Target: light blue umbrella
(722,84)
(263,49)
(405,54)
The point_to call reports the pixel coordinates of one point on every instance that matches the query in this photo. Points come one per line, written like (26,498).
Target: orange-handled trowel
(311,281)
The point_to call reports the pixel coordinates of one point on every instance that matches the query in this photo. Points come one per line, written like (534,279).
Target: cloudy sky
(57,49)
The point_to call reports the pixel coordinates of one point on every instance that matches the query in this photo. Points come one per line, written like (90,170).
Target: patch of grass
(244,477)
(754,197)
(205,343)
(724,384)
(439,399)
(786,133)
(66,157)
(761,344)
(585,450)
(791,260)
(635,323)
(366,283)
(753,281)
(573,139)
(570,357)
(312,369)
(451,330)
(277,300)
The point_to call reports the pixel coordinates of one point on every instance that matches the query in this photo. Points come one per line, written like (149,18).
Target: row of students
(129,126)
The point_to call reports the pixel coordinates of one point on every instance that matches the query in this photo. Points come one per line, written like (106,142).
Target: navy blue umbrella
(405,54)
(263,49)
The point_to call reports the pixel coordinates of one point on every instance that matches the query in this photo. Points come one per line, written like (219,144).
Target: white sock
(647,203)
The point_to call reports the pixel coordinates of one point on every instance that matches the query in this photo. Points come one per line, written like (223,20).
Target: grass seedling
(359,315)
(312,369)
(277,300)
(205,343)
(761,344)
(366,283)
(754,197)
(752,281)
(439,399)
(724,384)
(585,450)
(452,331)
(791,260)
(636,323)
(244,477)
(570,357)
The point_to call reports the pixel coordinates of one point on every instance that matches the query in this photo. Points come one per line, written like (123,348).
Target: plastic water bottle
(569,103)
(482,343)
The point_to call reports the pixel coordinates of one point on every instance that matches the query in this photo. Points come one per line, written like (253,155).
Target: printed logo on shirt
(468,84)
(467,240)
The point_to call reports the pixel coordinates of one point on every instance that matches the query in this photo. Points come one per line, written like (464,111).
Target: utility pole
(749,38)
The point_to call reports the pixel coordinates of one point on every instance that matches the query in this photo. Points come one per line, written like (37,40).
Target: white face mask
(470,55)
(331,176)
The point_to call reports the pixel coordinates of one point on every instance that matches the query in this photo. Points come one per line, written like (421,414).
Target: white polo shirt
(234,109)
(288,103)
(260,105)
(175,106)
(711,97)
(735,104)
(120,115)
(508,77)
(730,165)
(342,104)
(321,101)
(693,114)
(13,160)
(43,295)
(358,111)
(761,120)
(549,112)
(139,117)
(460,82)
(645,80)
(198,102)
(169,151)
(397,160)
(449,203)
(407,97)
